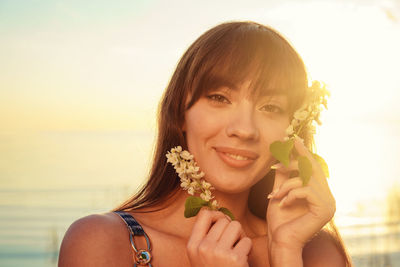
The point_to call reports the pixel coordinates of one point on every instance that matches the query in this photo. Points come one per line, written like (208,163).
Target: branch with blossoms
(192,181)
(304,118)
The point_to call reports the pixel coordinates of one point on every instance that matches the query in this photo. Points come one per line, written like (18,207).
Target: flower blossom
(304,117)
(300,114)
(289,130)
(190,175)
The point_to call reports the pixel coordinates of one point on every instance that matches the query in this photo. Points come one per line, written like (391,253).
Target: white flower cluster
(310,111)
(190,174)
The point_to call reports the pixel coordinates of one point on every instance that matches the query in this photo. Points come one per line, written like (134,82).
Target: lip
(223,153)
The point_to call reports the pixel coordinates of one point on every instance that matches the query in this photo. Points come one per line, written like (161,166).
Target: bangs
(250,53)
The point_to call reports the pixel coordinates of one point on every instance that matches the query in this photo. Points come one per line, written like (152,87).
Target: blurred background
(80,82)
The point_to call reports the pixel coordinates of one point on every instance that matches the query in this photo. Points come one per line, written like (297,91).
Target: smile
(236,158)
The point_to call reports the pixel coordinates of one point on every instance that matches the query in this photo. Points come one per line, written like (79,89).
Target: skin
(296,212)
(224,119)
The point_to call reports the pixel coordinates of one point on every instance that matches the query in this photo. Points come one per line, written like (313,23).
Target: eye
(272,108)
(218,98)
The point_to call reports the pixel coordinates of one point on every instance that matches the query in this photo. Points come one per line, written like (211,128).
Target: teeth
(237,157)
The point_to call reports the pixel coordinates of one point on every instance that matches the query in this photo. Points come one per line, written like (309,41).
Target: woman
(232,94)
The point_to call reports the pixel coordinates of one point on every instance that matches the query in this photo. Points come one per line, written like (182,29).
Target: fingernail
(282,202)
(272,194)
(276,166)
(299,138)
(229,218)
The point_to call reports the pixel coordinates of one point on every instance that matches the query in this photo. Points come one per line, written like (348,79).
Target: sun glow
(353,48)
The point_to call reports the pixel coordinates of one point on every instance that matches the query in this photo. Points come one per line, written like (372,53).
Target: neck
(236,203)
(173,211)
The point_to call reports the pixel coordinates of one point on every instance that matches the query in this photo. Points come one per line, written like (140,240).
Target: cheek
(199,126)
(283,125)
(275,130)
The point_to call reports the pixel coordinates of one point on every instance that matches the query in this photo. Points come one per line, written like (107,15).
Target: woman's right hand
(217,241)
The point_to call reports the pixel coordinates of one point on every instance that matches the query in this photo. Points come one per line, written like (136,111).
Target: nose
(242,123)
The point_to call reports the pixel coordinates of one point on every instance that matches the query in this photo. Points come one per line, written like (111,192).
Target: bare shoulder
(96,240)
(323,250)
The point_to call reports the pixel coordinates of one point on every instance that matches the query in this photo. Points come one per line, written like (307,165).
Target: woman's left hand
(296,212)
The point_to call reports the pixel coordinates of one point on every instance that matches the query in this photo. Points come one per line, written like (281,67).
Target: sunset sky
(102,66)
(89,65)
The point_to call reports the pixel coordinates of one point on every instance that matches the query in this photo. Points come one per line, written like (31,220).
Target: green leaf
(322,163)
(227,212)
(305,169)
(281,151)
(193,206)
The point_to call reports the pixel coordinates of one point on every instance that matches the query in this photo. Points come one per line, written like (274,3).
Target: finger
(313,222)
(282,174)
(286,186)
(299,193)
(217,229)
(243,247)
(303,151)
(293,165)
(205,218)
(231,234)
(280,178)
(301,148)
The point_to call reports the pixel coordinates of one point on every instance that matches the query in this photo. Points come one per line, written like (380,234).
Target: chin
(233,186)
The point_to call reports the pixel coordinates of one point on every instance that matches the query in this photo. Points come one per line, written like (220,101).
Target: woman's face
(229,131)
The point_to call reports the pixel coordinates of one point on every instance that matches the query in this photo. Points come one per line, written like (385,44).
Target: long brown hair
(227,54)
(224,55)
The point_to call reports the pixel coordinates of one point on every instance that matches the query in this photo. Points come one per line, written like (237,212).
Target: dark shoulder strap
(142,256)
(132,224)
